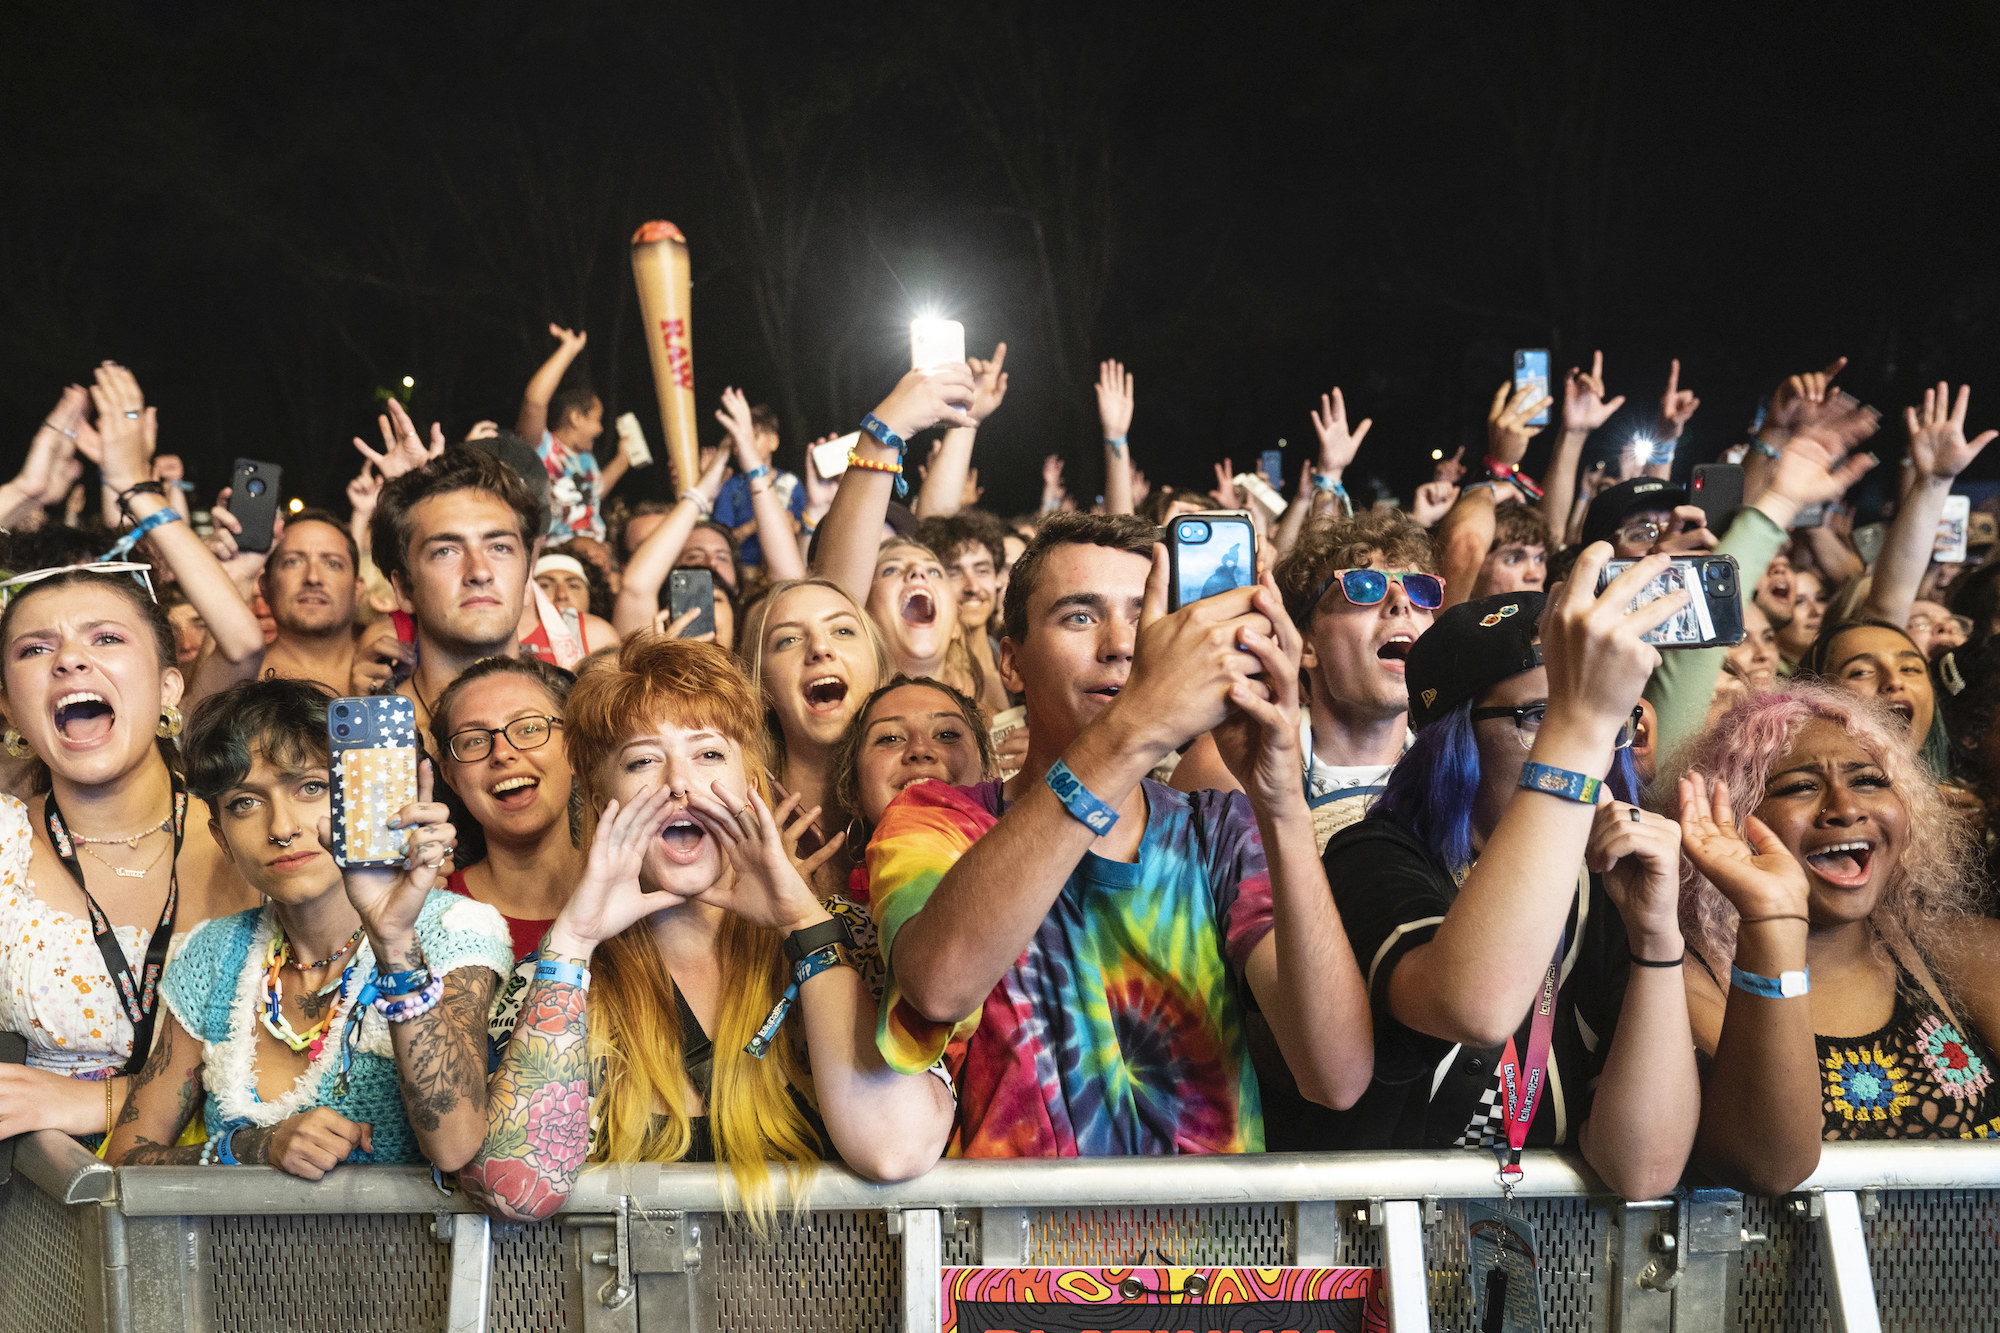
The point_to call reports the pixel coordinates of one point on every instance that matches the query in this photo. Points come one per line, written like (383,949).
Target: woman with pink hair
(1842,985)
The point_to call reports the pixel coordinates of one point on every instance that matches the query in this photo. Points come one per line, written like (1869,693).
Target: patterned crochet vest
(1917,1077)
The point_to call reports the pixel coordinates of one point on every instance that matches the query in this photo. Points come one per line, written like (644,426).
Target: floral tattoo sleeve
(537,1109)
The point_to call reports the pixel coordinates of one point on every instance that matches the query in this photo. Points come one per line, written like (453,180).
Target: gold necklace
(129,839)
(123,872)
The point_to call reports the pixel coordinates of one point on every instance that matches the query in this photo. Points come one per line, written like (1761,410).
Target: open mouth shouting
(1905,711)
(1395,651)
(83,717)
(515,793)
(919,608)
(825,694)
(683,838)
(1843,864)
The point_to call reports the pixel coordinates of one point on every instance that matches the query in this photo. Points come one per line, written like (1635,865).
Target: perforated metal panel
(328,1274)
(1250,1234)
(826,1273)
(1574,1264)
(42,1242)
(529,1267)
(1935,1255)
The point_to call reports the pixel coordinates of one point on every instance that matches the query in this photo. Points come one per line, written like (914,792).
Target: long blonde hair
(633,1021)
(750,636)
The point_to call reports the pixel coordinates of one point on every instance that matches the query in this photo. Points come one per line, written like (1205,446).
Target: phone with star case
(373,743)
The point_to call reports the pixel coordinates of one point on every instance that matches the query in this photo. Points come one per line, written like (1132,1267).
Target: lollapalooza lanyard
(140,998)
(1521,1085)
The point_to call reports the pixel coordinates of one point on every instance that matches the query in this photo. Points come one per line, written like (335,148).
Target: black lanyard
(140,998)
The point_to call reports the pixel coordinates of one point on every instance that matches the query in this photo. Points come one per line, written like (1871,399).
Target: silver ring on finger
(1635,814)
(131,416)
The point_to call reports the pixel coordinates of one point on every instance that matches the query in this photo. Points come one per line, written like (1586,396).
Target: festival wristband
(878,430)
(1767,449)
(223,1152)
(564,971)
(1078,799)
(1784,986)
(396,985)
(1663,452)
(1561,782)
(1326,481)
(761,470)
(158,518)
(699,501)
(833,955)
(1117,443)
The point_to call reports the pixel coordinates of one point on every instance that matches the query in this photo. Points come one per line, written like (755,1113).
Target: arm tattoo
(444,1062)
(537,1109)
(162,1063)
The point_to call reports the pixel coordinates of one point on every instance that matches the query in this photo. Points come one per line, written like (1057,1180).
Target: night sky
(274,211)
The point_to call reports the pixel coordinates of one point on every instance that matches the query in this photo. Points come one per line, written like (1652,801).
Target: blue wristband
(761,470)
(557,969)
(1082,805)
(1784,986)
(158,518)
(1117,443)
(1663,452)
(222,1150)
(1560,782)
(1766,449)
(1325,482)
(395,985)
(878,430)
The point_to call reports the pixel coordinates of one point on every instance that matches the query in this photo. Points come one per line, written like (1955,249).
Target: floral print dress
(1917,1077)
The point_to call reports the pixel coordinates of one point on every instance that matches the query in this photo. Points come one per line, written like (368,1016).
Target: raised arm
(943,492)
(1337,446)
(236,643)
(852,529)
(1115,391)
(1584,410)
(1463,538)
(1760,1103)
(647,568)
(1677,405)
(49,469)
(1475,978)
(1939,451)
(441,1052)
(774,523)
(534,415)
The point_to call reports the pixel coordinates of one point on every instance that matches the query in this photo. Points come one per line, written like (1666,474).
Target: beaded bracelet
(894,469)
(415,1006)
(700,501)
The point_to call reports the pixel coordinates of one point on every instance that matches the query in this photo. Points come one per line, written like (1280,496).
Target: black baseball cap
(1638,495)
(1471,648)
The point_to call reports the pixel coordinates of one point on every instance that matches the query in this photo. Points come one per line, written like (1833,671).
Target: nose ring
(285,842)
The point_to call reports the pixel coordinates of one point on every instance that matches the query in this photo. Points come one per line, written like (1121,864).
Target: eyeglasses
(1367,587)
(20,583)
(1931,623)
(1642,533)
(1527,719)
(523,733)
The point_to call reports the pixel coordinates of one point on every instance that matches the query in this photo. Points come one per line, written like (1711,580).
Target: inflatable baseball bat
(660,268)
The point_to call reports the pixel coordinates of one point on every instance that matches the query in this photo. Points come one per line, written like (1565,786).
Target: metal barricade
(1902,1236)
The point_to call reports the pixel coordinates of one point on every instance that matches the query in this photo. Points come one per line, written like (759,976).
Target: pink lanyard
(1521,1087)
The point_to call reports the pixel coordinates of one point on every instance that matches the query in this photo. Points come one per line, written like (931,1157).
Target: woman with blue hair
(1513,909)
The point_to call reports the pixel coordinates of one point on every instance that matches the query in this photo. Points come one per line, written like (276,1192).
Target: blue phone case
(1531,366)
(1210,553)
(374,747)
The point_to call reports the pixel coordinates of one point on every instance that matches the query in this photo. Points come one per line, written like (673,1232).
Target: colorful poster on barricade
(1206,1300)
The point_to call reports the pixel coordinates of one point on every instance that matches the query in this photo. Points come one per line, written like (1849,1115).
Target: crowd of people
(945,833)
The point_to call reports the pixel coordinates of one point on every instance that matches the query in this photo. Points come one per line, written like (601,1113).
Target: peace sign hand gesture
(1750,866)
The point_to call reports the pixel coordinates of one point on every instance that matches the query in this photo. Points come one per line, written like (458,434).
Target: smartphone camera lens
(1193,530)
(1720,582)
(341,729)
(255,486)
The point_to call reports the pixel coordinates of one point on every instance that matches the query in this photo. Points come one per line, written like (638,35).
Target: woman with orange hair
(1839,977)
(655,1027)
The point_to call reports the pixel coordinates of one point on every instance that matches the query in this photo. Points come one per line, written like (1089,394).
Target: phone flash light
(409,381)
(927,328)
(1436,455)
(297,506)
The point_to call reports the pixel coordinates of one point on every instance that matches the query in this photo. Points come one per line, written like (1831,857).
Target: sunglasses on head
(1366,587)
(20,583)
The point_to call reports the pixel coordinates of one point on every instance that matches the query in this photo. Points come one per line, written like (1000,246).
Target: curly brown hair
(1387,536)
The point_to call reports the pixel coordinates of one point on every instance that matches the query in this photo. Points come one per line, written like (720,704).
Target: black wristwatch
(802,943)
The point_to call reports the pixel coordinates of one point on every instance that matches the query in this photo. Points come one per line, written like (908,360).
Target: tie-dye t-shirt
(1119,1031)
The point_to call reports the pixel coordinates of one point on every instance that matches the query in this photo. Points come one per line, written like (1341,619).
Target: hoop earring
(16,745)
(170,723)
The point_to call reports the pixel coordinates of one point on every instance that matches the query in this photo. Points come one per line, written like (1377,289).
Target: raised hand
(1507,428)
(1141,488)
(1938,447)
(1584,405)
(1597,663)
(1790,400)
(1259,740)
(572,340)
(1806,472)
(1115,388)
(483,430)
(388,898)
(363,491)
(242,566)
(403,450)
(1750,865)
(1676,406)
(766,887)
(989,383)
(1639,855)
(125,453)
(819,490)
(971,492)
(930,396)
(1449,470)
(677,627)
(1227,494)
(609,897)
(734,414)
(1337,444)
(378,658)
(1433,501)
(801,822)
(1053,490)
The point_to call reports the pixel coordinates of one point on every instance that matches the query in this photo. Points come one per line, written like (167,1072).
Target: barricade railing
(1889,1235)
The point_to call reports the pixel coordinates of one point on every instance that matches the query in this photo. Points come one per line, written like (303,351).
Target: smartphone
(830,459)
(1718,489)
(253,502)
(1266,499)
(1713,617)
(1272,465)
(936,342)
(632,440)
(692,590)
(1531,367)
(374,746)
(1868,539)
(1210,553)
(1952,531)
